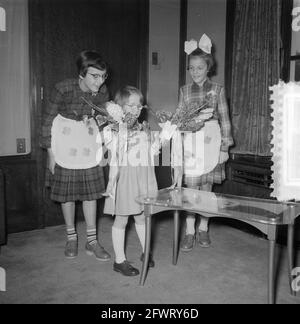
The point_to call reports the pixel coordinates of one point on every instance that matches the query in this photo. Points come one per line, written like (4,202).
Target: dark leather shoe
(188,243)
(151,262)
(98,251)
(71,249)
(203,239)
(126,269)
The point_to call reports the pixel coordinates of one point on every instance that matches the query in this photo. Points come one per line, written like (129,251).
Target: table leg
(147,246)
(291,234)
(271,286)
(176,237)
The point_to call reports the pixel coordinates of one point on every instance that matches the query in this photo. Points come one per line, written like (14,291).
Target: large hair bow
(204,44)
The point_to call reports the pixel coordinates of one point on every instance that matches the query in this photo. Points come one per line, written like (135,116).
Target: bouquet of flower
(189,118)
(113,115)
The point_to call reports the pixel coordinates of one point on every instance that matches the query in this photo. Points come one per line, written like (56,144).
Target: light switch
(154,58)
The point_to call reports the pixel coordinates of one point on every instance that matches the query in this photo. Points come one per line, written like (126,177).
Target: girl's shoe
(126,269)
(71,249)
(151,262)
(188,243)
(203,239)
(98,251)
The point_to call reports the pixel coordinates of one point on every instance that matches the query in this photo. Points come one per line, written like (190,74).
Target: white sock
(190,225)
(141,232)
(118,239)
(203,227)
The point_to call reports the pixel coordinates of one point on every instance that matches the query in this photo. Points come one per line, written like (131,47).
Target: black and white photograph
(149,154)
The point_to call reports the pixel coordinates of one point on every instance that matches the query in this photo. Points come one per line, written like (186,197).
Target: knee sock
(203,226)
(118,239)
(91,234)
(190,225)
(141,232)
(71,233)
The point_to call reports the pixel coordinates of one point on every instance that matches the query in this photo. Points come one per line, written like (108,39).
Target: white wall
(209,17)
(14,79)
(164,39)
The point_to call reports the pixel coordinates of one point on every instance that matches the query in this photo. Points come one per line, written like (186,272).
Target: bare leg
(71,249)
(68,210)
(89,211)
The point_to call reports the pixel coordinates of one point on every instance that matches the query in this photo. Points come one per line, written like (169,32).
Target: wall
(204,16)
(14,79)
(209,17)
(164,39)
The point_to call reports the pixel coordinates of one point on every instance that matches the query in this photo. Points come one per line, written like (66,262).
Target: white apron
(201,150)
(76,145)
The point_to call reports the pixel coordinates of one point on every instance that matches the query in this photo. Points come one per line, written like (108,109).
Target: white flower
(211,92)
(168,131)
(115,111)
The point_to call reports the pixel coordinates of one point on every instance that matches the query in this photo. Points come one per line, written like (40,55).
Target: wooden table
(264,214)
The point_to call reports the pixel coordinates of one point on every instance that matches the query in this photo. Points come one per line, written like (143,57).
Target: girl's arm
(56,100)
(225,125)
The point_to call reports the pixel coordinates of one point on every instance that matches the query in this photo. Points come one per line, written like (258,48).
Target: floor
(233,271)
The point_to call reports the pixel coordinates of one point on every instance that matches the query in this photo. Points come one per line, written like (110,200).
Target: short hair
(88,59)
(124,93)
(208,58)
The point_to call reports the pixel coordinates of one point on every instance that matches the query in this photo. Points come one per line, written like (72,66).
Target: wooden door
(59,30)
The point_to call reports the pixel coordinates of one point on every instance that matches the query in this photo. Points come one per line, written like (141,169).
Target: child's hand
(223,157)
(51,161)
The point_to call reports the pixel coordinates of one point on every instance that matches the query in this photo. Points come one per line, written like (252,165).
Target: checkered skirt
(217,175)
(68,185)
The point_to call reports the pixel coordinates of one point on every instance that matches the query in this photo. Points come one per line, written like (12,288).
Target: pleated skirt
(217,175)
(69,185)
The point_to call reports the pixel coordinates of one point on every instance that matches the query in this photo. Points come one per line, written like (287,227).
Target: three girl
(134,176)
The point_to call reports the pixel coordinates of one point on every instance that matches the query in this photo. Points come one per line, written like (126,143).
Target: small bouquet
(112,115)
(189,118)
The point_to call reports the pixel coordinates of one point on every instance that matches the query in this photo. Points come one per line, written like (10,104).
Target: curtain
(255,67)
(14,78)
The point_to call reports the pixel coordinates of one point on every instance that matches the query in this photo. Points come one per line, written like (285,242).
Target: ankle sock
(91,235)
(190,225)
(203,227)
(118,239)
(71,234)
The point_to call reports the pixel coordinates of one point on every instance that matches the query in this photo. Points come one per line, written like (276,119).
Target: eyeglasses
(140,107)
(96,76)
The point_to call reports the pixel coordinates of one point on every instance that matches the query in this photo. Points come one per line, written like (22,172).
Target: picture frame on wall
(285,141)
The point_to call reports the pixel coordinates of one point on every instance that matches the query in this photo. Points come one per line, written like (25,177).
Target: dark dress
(68,185)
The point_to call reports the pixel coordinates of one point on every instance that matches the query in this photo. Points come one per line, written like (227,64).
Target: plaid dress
(195,94)
(68,184)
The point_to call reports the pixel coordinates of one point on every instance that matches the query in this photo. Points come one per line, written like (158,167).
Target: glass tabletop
(266,211)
